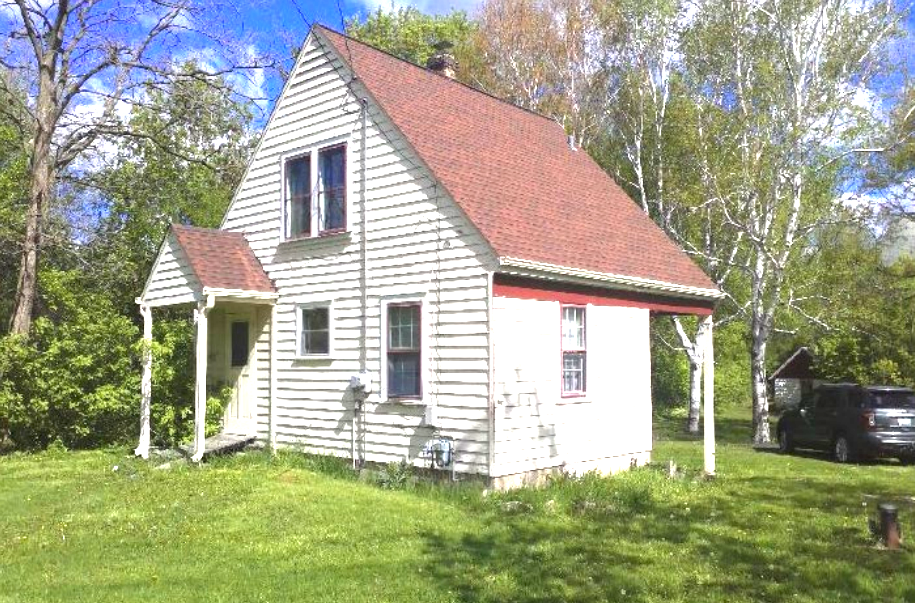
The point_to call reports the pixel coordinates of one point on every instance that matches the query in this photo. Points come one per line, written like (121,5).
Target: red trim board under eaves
(529,288)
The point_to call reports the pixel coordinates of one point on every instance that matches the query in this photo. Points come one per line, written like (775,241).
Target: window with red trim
(574,350)
(404,350)
(332,163)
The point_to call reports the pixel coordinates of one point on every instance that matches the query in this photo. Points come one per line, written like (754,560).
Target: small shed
(794,379)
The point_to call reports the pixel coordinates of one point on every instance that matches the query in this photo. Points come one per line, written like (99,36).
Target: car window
(856,399)
(892,400)
(828,399)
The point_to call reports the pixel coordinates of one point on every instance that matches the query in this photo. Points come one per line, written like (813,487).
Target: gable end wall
(419,243)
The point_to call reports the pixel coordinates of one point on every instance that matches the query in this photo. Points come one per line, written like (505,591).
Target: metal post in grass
(889,525)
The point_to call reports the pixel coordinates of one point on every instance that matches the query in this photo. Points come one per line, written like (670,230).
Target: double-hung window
(574,351)
(314,337)
(298,196)
(332,162)
(404,350)
(315,192)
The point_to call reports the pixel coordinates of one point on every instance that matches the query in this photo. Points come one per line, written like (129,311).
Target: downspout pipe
(359,395)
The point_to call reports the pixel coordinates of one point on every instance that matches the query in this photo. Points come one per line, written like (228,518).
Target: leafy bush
(77,378)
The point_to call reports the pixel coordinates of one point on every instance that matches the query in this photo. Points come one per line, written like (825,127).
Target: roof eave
(521,267)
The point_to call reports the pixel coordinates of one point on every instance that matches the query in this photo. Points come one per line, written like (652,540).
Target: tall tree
(188,152)
(779,84)
(82,61)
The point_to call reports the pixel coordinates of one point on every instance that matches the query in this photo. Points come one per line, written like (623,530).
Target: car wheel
(907,460)
(785,442)
(841,449)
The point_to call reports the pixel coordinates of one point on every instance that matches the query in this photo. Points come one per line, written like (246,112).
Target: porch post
(708,413)
(142,448)
(271,436)
(200,385)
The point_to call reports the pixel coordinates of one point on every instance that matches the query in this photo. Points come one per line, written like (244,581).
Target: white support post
(709,395)
(200,385)
(142,448)
(274,335)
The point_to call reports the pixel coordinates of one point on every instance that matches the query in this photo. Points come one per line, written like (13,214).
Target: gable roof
(221,259)
(512,172)
(798,366)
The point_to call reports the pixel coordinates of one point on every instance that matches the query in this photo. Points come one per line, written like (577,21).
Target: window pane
(239,343)
(298,194)
(332,163)
(403,327)
(403,374)
(315,331)
(573,328)
(573,372)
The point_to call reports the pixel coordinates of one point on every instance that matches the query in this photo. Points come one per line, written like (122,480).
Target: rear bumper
(889,444)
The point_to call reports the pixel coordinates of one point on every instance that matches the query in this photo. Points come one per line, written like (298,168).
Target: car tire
(907,460)
(842,450)
(785,441)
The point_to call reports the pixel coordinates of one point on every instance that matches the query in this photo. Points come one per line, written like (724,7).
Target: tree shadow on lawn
(778,539)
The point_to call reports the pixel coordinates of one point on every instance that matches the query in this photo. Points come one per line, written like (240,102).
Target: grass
(293,528)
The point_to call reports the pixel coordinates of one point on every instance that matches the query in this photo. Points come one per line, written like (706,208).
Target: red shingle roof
(222,260)
(514,175)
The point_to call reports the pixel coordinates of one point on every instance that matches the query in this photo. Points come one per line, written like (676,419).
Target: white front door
(239,417)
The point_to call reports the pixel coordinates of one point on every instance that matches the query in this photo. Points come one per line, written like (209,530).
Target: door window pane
(239,343)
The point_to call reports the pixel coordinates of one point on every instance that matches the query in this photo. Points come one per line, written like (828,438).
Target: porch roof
(194,263)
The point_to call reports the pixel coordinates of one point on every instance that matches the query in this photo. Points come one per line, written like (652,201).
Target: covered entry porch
(214,275)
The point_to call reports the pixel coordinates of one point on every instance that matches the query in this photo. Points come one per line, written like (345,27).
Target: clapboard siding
(535,427)
(172,281)
(418,243)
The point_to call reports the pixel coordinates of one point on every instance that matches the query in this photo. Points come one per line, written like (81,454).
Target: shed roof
(798,366)
(222,260)
(514,175)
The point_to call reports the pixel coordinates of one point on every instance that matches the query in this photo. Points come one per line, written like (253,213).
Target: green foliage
(669,367)
(396,476)
(189,152)
(76,379)
(410,34)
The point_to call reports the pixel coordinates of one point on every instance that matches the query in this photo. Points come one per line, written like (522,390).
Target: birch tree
(647,113)
(81,62)
(782,84)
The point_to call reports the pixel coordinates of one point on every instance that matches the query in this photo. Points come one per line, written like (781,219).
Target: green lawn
(256,528)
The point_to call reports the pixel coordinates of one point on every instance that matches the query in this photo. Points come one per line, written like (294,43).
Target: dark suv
(853,422)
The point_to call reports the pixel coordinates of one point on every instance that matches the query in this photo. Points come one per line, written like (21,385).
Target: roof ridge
(432,73)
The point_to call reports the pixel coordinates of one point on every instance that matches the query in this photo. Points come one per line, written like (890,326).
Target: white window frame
(562,351)
(299,324)
(312,152)
(424,360)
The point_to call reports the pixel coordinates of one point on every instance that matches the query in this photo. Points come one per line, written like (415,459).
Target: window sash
(574,350)
(404,350)
(314,333)
(298,195)
(332,163)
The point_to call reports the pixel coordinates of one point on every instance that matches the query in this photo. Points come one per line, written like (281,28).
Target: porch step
(222,443)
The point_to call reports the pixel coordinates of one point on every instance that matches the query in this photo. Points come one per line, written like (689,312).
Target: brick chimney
(442,60)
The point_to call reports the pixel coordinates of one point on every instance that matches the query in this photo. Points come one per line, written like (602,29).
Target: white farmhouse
(410,264)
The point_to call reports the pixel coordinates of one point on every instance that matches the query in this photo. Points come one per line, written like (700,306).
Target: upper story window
(574,351)
(315,192)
